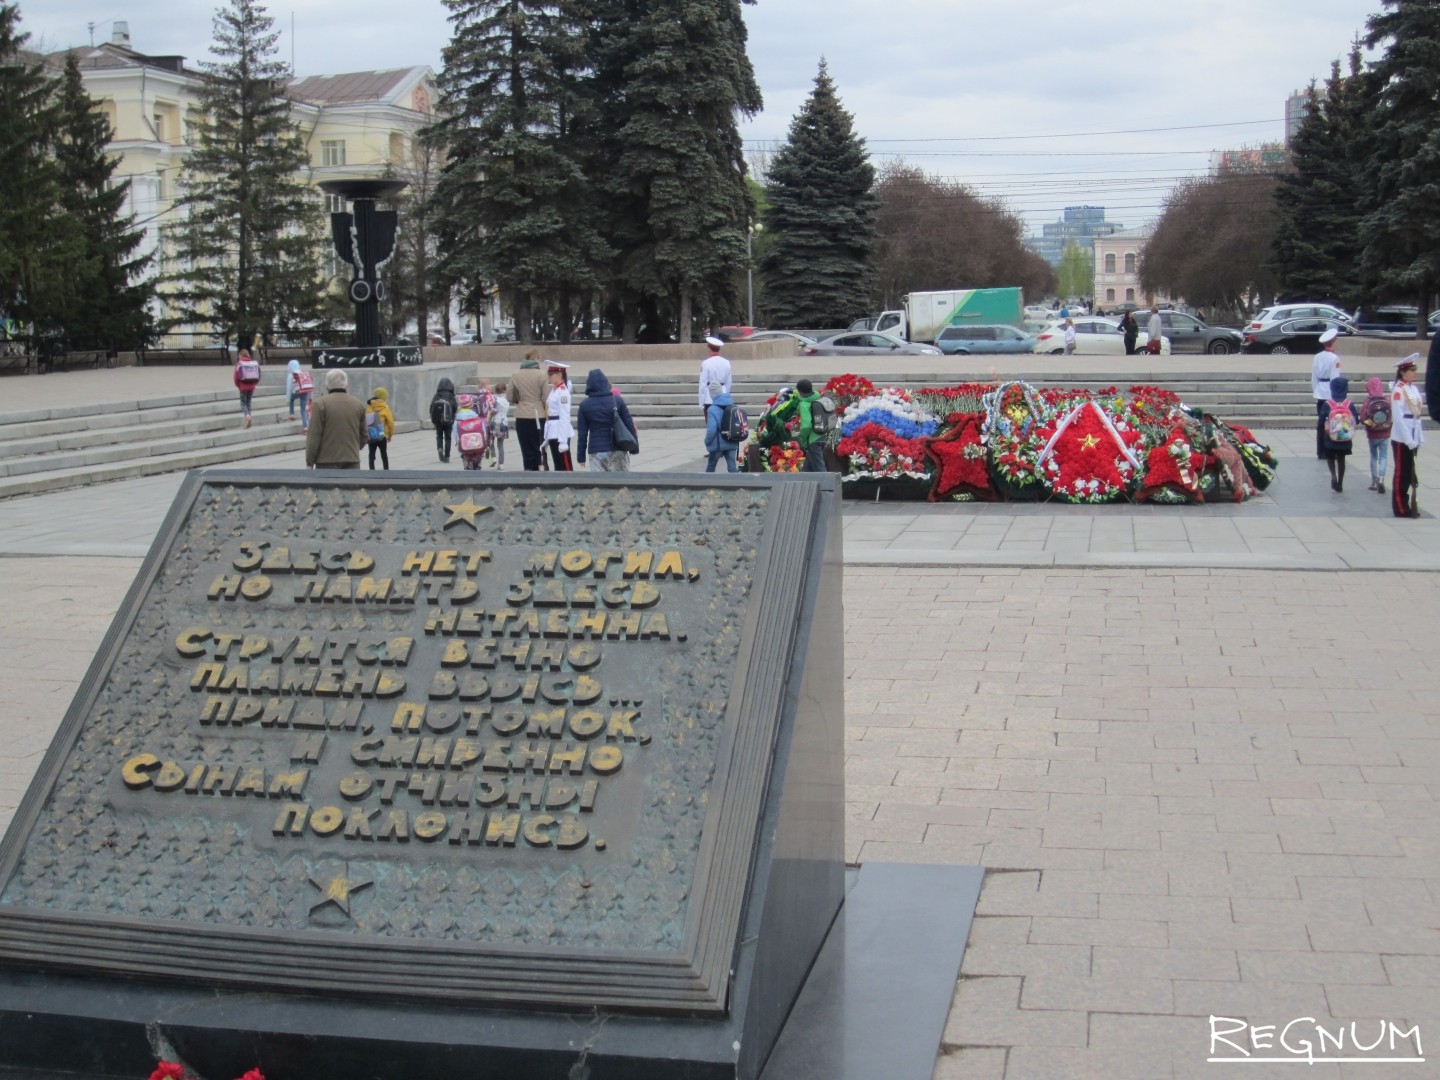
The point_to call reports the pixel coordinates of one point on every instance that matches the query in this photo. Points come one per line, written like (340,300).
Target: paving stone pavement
(1203,787)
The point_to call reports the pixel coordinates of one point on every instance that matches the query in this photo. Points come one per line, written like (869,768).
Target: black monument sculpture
(364,238)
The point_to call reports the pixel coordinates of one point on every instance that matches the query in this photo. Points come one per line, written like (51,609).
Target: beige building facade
(360,124)
(1117,271)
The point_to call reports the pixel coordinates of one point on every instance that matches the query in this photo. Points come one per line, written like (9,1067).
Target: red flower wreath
(1169,468)
(959,457)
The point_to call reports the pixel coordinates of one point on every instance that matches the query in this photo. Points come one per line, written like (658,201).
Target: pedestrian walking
(1337,419)
(443,408)
(470,433)
(1406,435)
(1069,337)
(298,387)
(528,392)
(1324,368)
(337,426)
(1131,329)
(247,378)
(500,423)
(1155,328)
(379,426)
(717,445)
(1375,419)
(714,368)
(558,428)
(595,426)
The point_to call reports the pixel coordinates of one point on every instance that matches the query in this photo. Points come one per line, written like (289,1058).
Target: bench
(217,355)
(66,358)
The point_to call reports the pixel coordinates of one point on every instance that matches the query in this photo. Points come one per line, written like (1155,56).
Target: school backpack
(822,415)
(442,411)
(474,435)
(248,369)
(304,384)
(1340,425)
(1376,414)
(734,424)
(374,427)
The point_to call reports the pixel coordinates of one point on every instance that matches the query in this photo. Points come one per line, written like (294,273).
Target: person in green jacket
(812,443)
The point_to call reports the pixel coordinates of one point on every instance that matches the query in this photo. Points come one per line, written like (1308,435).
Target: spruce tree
(820,267)
(38,242)
(512,205)
(250,243)
(110,308)
(1401,230)
(673,78)
(1316,252)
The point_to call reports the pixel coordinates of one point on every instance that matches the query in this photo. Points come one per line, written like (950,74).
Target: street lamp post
(750,232)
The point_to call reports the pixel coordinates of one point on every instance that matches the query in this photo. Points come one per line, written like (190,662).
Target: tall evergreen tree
(673,77)
(512,205)
(1401,229)
(1316,252)
(250,242)
(38,242)
(110,307)
(820,268)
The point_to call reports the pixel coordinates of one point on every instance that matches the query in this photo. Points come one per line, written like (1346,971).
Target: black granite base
(874,1005)
(381,356)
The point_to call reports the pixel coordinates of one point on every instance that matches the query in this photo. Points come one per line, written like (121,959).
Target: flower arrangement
(949,400)
(877,453)
(892,409)
(173,1070)
(960,459)
(847,388)
(1086,460)
(787,457)
(1173,470)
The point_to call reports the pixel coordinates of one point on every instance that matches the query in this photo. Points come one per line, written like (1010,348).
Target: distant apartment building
(357,124)
(1297,108)
(1117,270)
(1081,224)
(1268,157)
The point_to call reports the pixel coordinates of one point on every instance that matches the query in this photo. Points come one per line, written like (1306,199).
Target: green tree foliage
(37,241)
(250,242)
(1401,228)
(938,234)
(819,268)
(1075,275)
(1318,197)
(671,78)
(512,205)
(1213,242)
(109,308)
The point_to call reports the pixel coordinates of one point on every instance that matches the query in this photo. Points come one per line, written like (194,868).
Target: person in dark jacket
(595,425)
(716,445)
(1131,329)
(443,427)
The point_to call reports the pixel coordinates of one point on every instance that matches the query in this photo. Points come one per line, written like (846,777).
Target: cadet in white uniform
(1406,435)
(1325,368)
(558,428)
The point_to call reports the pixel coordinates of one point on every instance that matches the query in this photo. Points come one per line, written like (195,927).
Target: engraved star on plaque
(466,512)
(336,890)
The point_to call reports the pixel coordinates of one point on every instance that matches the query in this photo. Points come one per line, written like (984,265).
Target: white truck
(924,314)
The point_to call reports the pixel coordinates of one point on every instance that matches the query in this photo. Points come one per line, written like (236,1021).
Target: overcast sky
(1041,109)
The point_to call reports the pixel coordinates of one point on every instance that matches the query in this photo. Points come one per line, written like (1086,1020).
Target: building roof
(355,86)
(110,56)
(1142,232)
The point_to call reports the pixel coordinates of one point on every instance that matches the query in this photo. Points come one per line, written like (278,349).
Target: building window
(332,152)
(158,119)
(1109,293)
(1130,265)
(1110,265)
(335,204)
(1129,296)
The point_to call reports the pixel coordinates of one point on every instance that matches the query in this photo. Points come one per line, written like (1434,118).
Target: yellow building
(357,124)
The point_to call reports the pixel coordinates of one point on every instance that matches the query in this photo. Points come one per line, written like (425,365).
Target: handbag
(621,437)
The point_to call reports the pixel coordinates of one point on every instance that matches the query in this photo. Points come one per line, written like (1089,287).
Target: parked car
(1188,334)
(1299,336)
(1093,335)
(867,344)
(800,340)
(1280,313)
(1397,319)
(984,338)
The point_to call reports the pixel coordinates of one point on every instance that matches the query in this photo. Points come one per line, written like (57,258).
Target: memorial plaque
(506,745)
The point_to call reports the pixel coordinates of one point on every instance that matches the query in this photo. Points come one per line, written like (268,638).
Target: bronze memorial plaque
(417,738)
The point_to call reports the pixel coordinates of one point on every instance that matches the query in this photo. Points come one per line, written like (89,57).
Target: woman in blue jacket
(596,423)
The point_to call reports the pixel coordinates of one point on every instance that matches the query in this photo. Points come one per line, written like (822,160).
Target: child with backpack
(1337,430)
(500,424)
(724,423)
(247,378)
(443,408)
(472,433)
(379,426)
(299,385)
(1375,419)
(817,419)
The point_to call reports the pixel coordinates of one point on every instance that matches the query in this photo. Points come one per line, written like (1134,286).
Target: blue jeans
(1378,459)
(727,454)
(304,400)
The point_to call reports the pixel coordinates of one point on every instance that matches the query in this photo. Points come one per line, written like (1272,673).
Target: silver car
(867,344)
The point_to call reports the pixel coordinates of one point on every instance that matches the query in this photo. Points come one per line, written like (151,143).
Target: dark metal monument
(364,238)
(411,776)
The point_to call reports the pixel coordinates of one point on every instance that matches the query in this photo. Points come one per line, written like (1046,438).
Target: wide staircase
(66,447)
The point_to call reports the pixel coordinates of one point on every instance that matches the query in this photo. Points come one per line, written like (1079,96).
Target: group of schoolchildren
(473,424)
(1391,420)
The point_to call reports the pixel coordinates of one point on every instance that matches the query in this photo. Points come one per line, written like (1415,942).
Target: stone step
(173,422)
